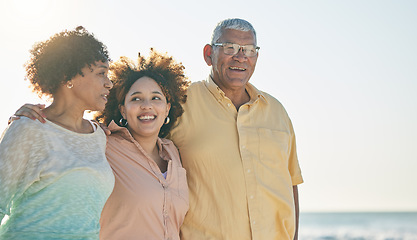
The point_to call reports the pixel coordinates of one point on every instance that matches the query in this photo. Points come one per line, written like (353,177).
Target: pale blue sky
(346,71)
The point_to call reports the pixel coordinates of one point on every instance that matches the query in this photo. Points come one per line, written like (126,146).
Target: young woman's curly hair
(60,58)
(166,72)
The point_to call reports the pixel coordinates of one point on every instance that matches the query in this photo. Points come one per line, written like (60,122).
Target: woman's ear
(207,53)
(122,111)
(168,108)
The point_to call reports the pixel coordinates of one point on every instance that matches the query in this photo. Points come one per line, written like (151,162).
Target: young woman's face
(145,108)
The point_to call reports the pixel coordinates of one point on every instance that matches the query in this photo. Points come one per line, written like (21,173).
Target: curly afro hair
(167,73)
(60,58)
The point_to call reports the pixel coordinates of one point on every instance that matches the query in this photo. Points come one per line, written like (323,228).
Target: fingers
(32,111)
(12,118)
(40,106)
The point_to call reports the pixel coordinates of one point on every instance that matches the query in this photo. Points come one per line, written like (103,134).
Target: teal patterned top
(53,182)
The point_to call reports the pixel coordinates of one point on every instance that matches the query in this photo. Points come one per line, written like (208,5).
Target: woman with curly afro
(150,196)
(54,177)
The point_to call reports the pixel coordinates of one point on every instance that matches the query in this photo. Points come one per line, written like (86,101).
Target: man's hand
(31,111)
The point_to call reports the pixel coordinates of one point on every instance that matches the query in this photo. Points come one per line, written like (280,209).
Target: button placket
(248,166)
(165,208)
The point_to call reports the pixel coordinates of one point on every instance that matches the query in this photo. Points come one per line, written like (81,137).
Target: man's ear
(207,53)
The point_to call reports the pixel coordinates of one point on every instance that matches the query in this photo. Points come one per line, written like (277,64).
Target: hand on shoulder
(30,111)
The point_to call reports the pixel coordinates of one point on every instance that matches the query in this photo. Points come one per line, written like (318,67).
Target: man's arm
(297,210)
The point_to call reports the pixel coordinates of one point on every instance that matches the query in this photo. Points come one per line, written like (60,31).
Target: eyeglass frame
(240,47)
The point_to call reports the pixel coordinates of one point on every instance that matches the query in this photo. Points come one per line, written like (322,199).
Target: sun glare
(27,9)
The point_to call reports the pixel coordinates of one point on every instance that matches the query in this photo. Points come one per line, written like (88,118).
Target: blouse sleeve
(21,148)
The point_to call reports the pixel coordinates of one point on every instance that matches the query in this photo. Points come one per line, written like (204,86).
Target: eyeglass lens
(233,48)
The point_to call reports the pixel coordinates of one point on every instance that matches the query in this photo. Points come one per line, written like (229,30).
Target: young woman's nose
(146,104)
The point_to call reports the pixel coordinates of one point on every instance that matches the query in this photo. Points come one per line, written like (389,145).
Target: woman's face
(145,108)
(91,90)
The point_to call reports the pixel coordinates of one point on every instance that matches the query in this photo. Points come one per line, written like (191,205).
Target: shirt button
(251,196)
(229,104)
(248,170)
(254,222)
(243,147)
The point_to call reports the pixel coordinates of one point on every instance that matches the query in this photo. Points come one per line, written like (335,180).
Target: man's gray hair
(232,23)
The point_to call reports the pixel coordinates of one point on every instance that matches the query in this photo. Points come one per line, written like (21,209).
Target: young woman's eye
(135,99)
(156,98)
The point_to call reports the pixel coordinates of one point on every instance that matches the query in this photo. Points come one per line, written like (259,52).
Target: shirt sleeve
(178,132)
(21,149)
(293,165)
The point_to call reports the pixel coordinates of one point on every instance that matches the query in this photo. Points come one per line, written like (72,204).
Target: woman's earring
(123,122)
(167,120)
(69,84)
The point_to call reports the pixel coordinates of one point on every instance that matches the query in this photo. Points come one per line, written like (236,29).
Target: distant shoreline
(369,211)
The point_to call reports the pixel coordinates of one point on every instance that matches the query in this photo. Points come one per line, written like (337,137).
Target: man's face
(232,72)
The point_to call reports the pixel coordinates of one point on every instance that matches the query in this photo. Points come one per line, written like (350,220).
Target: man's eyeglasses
(233,49)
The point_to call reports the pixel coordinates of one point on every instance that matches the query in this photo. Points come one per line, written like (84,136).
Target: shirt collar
(253,92)
(124,133)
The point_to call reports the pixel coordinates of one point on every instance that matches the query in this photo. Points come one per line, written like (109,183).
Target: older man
(238,146)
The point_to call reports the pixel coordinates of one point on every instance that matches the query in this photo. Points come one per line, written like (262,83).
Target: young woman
(150,197)
(54,177)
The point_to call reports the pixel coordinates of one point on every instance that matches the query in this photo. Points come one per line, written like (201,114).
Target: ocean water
(358,226)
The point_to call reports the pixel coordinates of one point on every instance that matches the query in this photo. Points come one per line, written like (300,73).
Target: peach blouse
(143,204)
